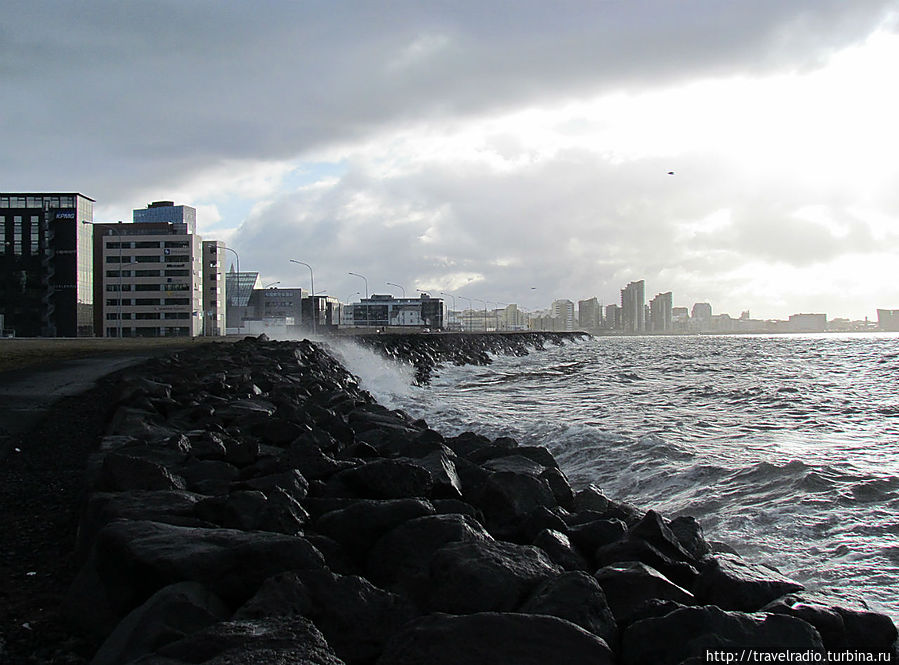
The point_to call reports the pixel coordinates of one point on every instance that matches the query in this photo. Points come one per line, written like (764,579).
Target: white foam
(389,381)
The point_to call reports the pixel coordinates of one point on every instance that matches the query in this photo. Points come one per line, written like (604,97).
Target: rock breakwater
(426,352)
(250,503)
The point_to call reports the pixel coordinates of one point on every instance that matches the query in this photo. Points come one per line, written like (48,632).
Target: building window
(177,301)
(146,287)
(177,273)
(146,244)
(146,273)
(177,315)
(17,235)
(146,301)
(147,259)
(146,316)
(35,234)
(3,235)
(176,244)
(177,258)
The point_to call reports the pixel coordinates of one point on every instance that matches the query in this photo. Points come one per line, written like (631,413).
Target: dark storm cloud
(121,96)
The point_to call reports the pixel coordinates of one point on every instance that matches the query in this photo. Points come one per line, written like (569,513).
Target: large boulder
(508,498)
(734,584)
(510,639)
(559,549)
(170,614)
(358,526)
(694,632)
(291,640)
(590,536)
(122,472)
(168,506)
(132,559)
(356,617)
(383,479)
(629,584)
(578,598)
(637,549)
(402,557)
(486,576)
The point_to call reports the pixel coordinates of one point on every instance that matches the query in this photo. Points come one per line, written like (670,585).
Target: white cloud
(483,148)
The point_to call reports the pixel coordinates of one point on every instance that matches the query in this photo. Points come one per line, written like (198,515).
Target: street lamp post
(454,301)
(236,289)
(399,286)
(311,292)
(496,312)
(485,312)
(469,310)
(355,274)
(119,234)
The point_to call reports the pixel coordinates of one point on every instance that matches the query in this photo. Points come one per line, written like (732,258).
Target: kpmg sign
(65,214)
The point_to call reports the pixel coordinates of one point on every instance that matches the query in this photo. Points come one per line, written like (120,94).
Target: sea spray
(390,381)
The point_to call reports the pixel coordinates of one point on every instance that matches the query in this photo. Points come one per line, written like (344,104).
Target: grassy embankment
(17,353)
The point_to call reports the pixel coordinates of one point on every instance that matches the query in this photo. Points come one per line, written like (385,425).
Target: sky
(739,152)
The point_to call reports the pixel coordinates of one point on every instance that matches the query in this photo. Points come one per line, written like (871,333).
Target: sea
(785,447)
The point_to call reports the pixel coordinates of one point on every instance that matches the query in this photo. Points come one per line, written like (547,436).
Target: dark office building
(46,277)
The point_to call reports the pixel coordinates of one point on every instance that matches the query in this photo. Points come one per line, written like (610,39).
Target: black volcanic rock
(734,584)
(485,576)
(492,637)
(578,598)
(629,584)
(260,474)
(693,632)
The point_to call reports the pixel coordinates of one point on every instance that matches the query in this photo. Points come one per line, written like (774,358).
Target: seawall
(250,503)
(425,352)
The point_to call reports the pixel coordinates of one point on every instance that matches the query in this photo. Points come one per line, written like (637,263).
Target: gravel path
(41,491)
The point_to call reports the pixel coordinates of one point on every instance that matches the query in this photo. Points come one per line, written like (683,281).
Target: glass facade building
(46,254)
(184,218)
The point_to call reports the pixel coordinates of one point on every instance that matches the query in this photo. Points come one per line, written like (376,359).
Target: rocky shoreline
(250,503)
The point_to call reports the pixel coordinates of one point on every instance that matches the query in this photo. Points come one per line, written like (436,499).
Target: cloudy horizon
(736,153)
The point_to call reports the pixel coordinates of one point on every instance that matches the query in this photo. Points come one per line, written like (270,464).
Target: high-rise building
(150,275)
(633,319)
(612,319)
(701,317)
(589,314)
(46,280)
(888,319)
(660,312)
(563,310)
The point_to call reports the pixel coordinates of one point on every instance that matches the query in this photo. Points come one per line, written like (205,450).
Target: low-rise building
(807,323)
(386,311)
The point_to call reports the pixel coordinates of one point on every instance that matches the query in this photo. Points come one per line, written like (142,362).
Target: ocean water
(784,447)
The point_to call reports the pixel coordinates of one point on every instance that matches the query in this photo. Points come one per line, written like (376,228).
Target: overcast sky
(511,152)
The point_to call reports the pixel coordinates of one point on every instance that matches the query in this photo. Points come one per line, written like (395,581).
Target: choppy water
(786,447)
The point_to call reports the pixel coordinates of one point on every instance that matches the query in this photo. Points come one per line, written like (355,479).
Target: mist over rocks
(251,503)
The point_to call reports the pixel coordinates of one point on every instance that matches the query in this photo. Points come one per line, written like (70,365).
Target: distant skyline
(741,154)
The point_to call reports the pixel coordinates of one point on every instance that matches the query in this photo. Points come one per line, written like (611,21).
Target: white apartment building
(564,311)
(152,273)
(214,309)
